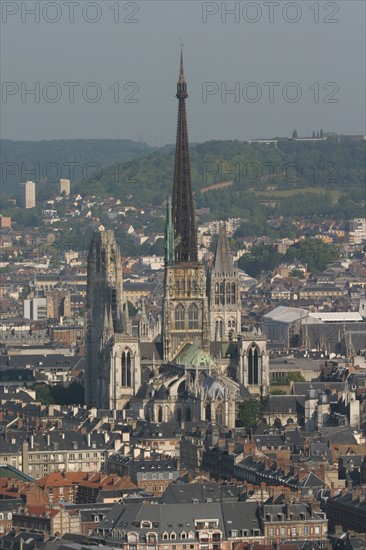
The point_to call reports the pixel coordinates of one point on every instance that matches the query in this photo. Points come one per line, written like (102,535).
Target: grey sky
(147,53)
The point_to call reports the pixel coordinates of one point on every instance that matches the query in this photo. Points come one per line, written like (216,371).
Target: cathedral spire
(183,205)
(223,261)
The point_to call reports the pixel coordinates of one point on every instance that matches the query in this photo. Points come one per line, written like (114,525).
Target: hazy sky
(313,53)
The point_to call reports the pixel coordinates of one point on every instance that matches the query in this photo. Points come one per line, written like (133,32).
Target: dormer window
(146,524)
(165,536)
(183,535)
(173,535)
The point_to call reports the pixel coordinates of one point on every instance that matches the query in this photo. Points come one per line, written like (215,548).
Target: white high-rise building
(65,187)
(35,309)
(29,194)
(357,231)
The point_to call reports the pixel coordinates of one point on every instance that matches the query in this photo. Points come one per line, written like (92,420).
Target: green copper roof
(194,356)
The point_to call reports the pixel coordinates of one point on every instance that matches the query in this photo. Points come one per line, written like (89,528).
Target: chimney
(31,441)
(88,439)
(48,440)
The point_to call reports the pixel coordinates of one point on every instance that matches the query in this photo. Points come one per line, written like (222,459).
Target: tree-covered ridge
(47,161)
(293,179)
(253,168)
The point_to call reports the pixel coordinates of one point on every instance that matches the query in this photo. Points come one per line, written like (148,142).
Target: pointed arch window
(179,317)
(219,329)
(233,293)
(126,363)
(219,415)
(189,287)
(253,366)
(193,317)
(228,293)
(217,294)
(222,293)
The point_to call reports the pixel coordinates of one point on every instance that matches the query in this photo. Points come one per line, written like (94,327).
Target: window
(253,366)
(283,531)
(271,531)
(317,530)
(165,536)
(217,294)
(173,536)
(179,317)
(193,317)
(219,329)
(126,368)
(306,530)
(222,293)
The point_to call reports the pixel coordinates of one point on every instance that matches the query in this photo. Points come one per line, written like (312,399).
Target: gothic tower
(112,353)
(224,292)
(185,300)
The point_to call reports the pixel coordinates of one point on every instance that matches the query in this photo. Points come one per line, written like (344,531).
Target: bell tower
(225,305)
(185,313)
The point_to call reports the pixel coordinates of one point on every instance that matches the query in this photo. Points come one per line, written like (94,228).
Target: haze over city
(228,46)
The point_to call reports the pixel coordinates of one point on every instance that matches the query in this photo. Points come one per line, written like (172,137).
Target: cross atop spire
(181,72)
(182,84)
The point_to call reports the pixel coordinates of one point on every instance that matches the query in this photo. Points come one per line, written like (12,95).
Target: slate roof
(181,518)
(200,492)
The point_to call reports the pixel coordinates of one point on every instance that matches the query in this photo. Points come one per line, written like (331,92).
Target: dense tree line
(48,395)
(313,252)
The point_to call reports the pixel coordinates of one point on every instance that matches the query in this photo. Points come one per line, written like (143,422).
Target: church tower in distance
(185,316)
(113,372)
(224,291)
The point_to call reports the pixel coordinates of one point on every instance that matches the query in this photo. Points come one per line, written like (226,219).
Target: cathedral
(193,363)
